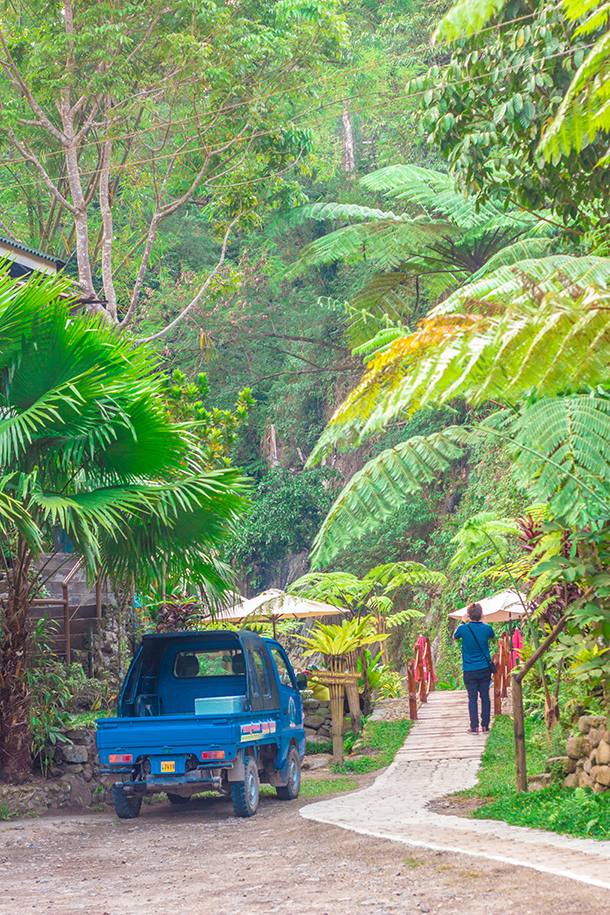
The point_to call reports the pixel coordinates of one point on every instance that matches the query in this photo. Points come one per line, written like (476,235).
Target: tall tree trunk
(107,232)
(81,224)
(349,158)
(15,736)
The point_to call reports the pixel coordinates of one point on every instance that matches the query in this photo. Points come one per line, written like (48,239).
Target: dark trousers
(477,684)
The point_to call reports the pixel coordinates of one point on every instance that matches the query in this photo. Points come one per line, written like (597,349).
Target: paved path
(438,758)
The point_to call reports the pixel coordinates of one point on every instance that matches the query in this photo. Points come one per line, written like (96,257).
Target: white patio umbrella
(499,608)
(274,605)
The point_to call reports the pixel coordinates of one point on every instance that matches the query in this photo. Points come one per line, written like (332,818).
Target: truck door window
(215,663)
(282,668)
(261,673)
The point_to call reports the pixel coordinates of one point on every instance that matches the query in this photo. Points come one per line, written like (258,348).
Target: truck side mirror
(302,681)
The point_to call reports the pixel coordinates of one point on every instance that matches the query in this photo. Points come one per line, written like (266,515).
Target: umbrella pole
(273,619)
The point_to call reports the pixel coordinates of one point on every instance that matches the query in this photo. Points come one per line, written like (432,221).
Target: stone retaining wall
(587,760)
(74,780)
(318,724)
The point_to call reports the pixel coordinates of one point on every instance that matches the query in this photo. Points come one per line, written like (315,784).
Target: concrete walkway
(438,758)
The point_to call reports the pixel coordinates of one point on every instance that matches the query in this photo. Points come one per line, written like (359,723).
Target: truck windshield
(200,662)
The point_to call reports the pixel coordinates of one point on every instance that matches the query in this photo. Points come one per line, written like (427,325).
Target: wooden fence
(420,675)
(501,678)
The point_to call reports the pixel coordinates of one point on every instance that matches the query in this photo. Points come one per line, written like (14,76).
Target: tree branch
(195,301)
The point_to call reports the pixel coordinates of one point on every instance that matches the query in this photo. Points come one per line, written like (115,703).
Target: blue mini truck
(205,711)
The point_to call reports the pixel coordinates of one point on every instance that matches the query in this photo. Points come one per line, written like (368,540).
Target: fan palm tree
(87,445)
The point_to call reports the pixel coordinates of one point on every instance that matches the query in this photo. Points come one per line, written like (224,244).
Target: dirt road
(201,860)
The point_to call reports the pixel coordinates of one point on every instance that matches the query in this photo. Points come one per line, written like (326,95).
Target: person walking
(475,636)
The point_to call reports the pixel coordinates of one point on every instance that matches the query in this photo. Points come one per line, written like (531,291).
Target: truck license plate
(168,766)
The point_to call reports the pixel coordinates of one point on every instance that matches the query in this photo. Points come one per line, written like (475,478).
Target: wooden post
(422,692)
(366,691)
(98,598)
(64,589)
(336,711)
(412,686)
(351,691)
(429,665)
(497,681)
(519,726)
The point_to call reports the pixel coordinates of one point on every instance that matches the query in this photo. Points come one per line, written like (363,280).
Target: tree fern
(538,325)
(374,493)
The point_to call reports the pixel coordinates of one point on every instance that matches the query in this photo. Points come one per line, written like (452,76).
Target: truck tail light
(213,754)
(120,758)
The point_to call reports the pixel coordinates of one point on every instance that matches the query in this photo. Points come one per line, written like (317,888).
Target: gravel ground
(200,859)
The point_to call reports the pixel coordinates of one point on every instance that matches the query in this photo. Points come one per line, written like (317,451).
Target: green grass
(575,811)
(384,738)
(497,776)
(312,787)
(312,748)
(87,719)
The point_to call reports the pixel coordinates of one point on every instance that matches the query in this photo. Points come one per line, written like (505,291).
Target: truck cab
(205,711)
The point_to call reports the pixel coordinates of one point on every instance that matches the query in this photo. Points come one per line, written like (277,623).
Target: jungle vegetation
(369,246)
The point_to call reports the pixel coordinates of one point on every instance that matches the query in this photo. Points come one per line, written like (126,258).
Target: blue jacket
(475,656)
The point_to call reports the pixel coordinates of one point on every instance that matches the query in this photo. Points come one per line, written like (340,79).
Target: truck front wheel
(290,791)
(245,795)
(126,806)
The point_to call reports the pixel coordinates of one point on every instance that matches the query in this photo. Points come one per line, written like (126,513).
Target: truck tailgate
(166,734)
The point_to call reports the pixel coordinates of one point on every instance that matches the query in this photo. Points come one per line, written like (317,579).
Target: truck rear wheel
(126,806)
(245,795)
(290,790)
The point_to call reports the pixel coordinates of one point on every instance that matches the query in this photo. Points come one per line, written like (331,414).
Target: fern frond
(563,455)
(375,492)
(386,243)
(597,13)
(437,194)
(538,325)
(524,249)
(380,342)
(403,616)
(395,575)
(323,211)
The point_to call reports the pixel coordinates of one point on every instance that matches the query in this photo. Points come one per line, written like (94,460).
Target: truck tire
(245,795)
(177,798)
(126,806)
(290,790)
